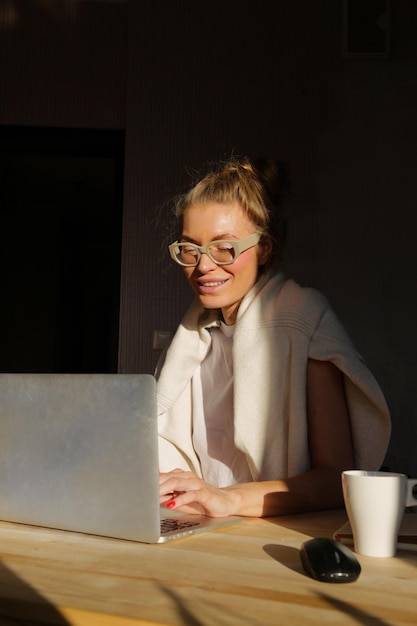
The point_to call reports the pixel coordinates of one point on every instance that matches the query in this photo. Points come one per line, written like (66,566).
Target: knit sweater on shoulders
(279,326)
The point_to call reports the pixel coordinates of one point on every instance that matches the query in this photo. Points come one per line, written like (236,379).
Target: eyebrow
(225,236)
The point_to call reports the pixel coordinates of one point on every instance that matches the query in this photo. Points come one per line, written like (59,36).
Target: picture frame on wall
(367,29)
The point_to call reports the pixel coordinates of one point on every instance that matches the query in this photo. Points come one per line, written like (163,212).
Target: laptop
(79,452)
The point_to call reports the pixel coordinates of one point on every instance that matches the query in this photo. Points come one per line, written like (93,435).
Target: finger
(177,470)
(165,499)
(192,507)
(164,476)
(194,497)
(179,483)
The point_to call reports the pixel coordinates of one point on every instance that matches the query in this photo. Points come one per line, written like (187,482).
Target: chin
(209,303)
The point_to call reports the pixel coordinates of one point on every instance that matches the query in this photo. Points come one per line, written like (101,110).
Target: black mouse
(329,561)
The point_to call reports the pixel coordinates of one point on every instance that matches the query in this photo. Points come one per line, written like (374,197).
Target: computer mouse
(329,561)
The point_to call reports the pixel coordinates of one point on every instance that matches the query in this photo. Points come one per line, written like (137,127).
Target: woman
(262,399)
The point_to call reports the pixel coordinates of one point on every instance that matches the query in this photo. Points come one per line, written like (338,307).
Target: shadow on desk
(314,524)
(287,556)
(22,605)
(358,615)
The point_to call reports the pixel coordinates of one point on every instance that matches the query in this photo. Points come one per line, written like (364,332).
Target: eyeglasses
(221,252)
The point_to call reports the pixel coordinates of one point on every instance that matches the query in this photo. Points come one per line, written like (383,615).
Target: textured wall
(63,63)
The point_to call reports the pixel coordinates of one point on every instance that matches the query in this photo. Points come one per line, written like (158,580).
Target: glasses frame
(238,245)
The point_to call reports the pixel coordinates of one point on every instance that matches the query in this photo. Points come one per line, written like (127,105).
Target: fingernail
(171,504)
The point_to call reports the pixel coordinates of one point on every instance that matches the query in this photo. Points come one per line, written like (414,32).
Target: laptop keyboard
(171,524)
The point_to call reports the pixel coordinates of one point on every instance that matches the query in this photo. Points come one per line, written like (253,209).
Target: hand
(185,492)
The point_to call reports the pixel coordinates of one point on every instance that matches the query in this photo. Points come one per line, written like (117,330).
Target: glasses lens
(187,254)
(222,252)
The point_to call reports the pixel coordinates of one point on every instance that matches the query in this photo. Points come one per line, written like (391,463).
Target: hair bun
(274,175)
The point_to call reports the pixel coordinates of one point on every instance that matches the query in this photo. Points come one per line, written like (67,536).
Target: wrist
(244,499)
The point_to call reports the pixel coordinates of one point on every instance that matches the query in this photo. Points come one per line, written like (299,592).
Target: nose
(205,264)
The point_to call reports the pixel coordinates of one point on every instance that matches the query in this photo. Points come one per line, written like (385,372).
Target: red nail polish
(171,504)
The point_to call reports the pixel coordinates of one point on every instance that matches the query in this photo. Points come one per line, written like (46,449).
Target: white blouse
(221,462)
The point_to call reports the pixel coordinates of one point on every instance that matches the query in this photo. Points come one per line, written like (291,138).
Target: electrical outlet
(161,338)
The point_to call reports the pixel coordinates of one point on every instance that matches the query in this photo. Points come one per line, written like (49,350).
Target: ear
(264,250)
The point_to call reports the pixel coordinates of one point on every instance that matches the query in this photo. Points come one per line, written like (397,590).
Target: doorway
(61,200)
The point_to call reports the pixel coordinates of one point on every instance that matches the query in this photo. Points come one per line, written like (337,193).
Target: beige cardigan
(280,325)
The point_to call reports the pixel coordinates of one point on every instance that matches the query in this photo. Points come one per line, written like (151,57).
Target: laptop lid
(79,452)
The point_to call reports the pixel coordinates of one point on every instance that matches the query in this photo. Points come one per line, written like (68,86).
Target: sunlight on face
(221,286)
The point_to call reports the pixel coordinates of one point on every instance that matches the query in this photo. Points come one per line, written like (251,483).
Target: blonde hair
(259,187)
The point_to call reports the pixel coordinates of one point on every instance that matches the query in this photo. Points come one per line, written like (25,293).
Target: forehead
(215,218)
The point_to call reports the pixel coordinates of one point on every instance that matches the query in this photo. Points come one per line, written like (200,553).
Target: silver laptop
(79,452)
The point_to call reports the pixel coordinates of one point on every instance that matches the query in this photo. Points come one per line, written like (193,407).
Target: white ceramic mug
(375,504)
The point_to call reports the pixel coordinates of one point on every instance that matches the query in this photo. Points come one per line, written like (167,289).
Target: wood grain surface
(250,573)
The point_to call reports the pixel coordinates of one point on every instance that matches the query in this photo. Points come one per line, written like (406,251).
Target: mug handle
(411,498)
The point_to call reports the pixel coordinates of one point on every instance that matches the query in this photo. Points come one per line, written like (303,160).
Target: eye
(188,248)
(224,246)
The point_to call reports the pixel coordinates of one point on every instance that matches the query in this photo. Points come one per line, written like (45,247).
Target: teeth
(213,284)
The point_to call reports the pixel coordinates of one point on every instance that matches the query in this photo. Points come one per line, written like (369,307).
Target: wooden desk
(246,574)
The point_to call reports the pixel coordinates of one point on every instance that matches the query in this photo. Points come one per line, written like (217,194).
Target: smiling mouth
(213,283)
(210,286)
